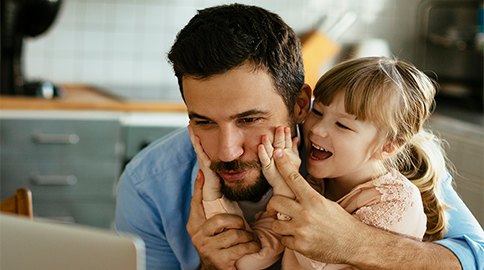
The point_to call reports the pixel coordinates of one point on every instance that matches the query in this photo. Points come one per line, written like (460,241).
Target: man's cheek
(255,139)
(208,146)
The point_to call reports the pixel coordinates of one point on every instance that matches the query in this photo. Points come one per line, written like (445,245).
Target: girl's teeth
(319,148)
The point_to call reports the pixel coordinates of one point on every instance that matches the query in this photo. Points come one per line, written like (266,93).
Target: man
(240,72)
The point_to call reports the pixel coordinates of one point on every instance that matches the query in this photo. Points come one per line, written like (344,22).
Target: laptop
(41,245)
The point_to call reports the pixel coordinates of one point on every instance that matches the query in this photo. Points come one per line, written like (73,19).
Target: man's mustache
(235,165)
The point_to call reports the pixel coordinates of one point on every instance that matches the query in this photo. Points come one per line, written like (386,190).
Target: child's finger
(279,137)
(197,145)
(287,138)
(264,158)
(200,152)
(203,159)
(295,140)
(267,145)
(192,136)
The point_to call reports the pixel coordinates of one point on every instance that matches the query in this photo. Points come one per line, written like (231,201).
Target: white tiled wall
(121,45)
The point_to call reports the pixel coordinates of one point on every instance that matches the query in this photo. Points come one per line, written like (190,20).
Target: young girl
(367,150)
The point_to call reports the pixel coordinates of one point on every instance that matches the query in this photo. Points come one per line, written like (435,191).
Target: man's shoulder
(171,153)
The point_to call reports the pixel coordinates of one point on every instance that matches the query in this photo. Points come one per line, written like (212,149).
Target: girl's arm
(214,203)
(271,247)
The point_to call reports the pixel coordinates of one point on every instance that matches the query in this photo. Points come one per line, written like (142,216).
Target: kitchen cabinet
(72,160)
(464,146)
(141,129)
(69,160)
(69,151)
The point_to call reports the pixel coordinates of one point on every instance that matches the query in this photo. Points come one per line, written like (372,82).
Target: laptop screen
(41,245)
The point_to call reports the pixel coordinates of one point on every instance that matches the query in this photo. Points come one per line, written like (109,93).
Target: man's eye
(202,123)
(316,112)
(249,120)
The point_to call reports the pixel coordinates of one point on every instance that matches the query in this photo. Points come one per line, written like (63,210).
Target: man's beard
(257,190)
(237,192)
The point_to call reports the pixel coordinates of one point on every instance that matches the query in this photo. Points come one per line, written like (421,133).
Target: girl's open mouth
(319,153)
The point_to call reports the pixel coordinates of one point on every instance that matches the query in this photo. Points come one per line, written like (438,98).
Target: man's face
(230,112)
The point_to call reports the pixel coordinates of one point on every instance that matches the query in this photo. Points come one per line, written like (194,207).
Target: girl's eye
(316,112)
(342,126)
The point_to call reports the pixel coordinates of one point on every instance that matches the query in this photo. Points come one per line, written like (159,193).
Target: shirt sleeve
(399,209)
(464,237)
(159,254)
(271,247)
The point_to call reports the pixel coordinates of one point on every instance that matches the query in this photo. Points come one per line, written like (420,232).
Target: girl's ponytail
(425,165)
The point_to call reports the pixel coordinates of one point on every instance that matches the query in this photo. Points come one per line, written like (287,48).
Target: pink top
(390,202)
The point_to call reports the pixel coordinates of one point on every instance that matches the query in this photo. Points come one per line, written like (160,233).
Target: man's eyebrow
(250,113)
(192,115)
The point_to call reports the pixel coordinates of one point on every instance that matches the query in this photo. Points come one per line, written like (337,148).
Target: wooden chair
(20,203)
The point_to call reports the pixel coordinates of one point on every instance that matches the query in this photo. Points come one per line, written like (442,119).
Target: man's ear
(303,104)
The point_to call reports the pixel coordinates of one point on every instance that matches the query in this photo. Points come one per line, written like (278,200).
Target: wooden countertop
(80,97)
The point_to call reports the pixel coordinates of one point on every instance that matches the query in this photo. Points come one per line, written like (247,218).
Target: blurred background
(121,45)
(111,56)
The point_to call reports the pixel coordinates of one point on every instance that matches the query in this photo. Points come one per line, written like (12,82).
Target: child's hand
(282,139)
(211,187)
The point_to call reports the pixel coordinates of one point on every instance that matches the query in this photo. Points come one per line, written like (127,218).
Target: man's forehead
(247,75)
(238,92)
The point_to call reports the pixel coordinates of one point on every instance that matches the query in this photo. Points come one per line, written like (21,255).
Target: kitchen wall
(121,45)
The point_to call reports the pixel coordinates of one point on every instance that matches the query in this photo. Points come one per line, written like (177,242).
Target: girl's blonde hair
(397,98)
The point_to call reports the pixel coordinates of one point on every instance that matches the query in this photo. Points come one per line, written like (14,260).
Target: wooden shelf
(81,97)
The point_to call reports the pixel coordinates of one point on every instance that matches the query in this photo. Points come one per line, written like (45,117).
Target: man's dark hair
(221,38)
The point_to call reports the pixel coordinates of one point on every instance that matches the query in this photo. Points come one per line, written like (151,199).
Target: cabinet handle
(66,219)
(55,138)
(53,180)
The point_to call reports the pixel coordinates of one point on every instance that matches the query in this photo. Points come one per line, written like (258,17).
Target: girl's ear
(387,151)
(303,104)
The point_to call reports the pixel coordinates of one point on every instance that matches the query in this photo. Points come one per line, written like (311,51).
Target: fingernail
(278,153)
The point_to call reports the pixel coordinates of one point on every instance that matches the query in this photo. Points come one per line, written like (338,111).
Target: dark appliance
(19,19)
(449,50)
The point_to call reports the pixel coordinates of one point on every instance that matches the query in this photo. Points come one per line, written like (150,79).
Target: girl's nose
(320,129)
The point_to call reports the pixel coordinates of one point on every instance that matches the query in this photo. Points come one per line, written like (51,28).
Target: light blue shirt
(156,188)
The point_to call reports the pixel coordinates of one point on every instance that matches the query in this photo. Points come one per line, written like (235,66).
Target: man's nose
(230,144)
